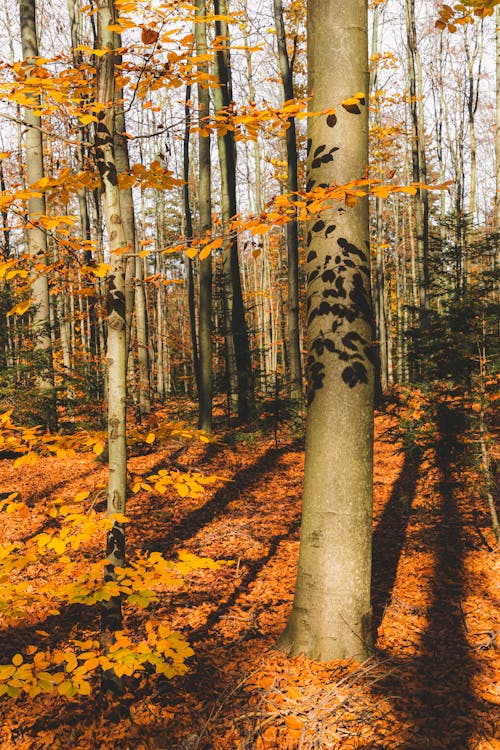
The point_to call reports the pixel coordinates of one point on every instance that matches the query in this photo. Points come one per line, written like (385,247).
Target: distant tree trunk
(497,130)
(330,618)
(134,275)
(292,237)
(116,355)
(473,57)
(419,166)
(382,375)
(205,208)
(238,350)
(36,234)
(188,232)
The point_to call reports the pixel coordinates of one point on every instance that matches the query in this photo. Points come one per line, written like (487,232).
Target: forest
(249,375)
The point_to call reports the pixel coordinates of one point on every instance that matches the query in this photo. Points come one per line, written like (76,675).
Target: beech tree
(36,236)
(330,617)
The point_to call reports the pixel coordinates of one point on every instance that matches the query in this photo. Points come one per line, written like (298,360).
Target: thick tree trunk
(35,234)
(292,236)
(116,355)
(331,612)
(205,208)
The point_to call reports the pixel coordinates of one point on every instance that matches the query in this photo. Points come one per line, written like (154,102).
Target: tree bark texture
(35,234)
(205,208)
(331,612)
(116,355)
(292,235)
(238,349)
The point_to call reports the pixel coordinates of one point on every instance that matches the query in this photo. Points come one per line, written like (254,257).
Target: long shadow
(434,688)
(445,668)
(243,480)
(254,567)
(389,536)
(191,682)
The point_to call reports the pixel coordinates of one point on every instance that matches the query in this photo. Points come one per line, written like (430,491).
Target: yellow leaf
(58,545)
(191,252)
(83,495)
(65,688)
(28,459)
(86,119)
(20,308)
(205,252)
(17,660)
(150,438)
(84,688)
(98,448)
(4,154)
(102,269)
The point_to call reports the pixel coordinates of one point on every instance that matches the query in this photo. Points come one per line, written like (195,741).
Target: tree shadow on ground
(389,536)
(243,481)
(434,689)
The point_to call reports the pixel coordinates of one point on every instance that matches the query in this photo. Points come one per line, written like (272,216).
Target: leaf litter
(432,682)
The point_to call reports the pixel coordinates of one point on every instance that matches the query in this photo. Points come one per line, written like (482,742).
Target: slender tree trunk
(330,618)
(188,233)
(497,130)
(419,167)
(239,361)
(205,207)
(134,276)
(116,355)
(292,237)
(35,234)
(379,295)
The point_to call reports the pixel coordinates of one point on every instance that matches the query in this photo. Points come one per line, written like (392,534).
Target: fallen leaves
(434,681)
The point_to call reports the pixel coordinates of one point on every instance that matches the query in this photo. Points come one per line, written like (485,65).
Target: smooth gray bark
(331,612)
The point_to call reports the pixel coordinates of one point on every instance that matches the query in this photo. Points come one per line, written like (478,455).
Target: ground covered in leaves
(434,678)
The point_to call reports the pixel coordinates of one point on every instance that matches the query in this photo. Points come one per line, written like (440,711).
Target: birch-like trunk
(116,355)
(36,236)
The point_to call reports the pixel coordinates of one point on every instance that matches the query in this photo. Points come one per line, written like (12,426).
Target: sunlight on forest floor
(432,682)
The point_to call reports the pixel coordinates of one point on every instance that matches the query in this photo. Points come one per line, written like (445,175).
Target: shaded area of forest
(433,679)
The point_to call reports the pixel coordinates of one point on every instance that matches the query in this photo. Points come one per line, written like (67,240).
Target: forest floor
(433,680)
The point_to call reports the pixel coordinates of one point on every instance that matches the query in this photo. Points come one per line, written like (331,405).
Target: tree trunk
(205,208)
(331,612)
(35,234)
(419,167)
(116,355)
(134,276)
(238,350)
(292,237)
(497,129)
(188,233)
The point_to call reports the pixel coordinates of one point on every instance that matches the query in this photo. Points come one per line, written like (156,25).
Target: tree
(35,233)
(205,204)
(239,362)
(330,618)
(116,356)
(292,236)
